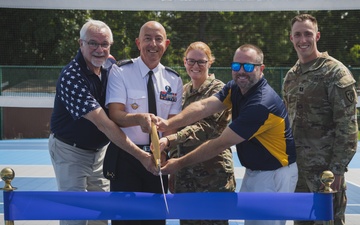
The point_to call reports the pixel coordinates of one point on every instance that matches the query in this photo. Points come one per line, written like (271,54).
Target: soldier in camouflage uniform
(319,92)
(216,174)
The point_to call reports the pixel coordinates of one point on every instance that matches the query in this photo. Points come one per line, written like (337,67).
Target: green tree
(39,37)
(355,53)
(337,33)
(50,37)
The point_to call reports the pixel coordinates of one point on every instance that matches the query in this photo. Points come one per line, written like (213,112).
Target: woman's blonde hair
(198,45)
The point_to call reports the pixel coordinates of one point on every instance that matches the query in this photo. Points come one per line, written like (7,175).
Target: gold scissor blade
(155,144)
(157,156)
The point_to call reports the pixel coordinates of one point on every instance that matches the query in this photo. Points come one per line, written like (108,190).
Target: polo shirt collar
(81,60)
(254,88)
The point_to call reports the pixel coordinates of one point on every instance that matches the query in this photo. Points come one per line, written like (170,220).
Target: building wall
(26,122)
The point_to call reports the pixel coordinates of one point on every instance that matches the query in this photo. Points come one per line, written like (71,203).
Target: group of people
(102,119)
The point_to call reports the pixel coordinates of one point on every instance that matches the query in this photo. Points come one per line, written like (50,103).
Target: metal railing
(34,86)
(41,80)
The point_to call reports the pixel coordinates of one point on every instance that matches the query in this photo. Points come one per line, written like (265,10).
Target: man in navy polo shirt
(259,129)
(80,126)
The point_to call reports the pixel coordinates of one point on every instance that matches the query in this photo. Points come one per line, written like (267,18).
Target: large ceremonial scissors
(157,157)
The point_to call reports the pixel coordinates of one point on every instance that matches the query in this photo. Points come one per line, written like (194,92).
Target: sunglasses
(248,67)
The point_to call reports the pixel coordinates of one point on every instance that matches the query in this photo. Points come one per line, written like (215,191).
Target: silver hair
(95,25)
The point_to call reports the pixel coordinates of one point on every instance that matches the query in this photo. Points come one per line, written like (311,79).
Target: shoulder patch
(123,62)
(345,81)
(171,70)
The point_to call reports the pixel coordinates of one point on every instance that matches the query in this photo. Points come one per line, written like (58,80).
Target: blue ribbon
(29,205)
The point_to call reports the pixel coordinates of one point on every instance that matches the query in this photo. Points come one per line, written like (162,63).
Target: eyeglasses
(192,62)
(94,45)
(248,67)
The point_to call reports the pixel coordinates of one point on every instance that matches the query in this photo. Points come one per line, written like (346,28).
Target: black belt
(146,148)
(74,144)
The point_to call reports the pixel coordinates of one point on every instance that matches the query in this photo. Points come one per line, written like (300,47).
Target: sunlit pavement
(30,160)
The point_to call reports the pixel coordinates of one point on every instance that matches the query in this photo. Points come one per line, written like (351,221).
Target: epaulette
(171,70)
(123,62)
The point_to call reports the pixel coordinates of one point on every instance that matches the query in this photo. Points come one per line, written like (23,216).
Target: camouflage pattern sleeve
(343,97)
(197,133)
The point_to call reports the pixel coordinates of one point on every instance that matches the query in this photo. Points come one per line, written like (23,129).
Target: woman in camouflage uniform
(216,174)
